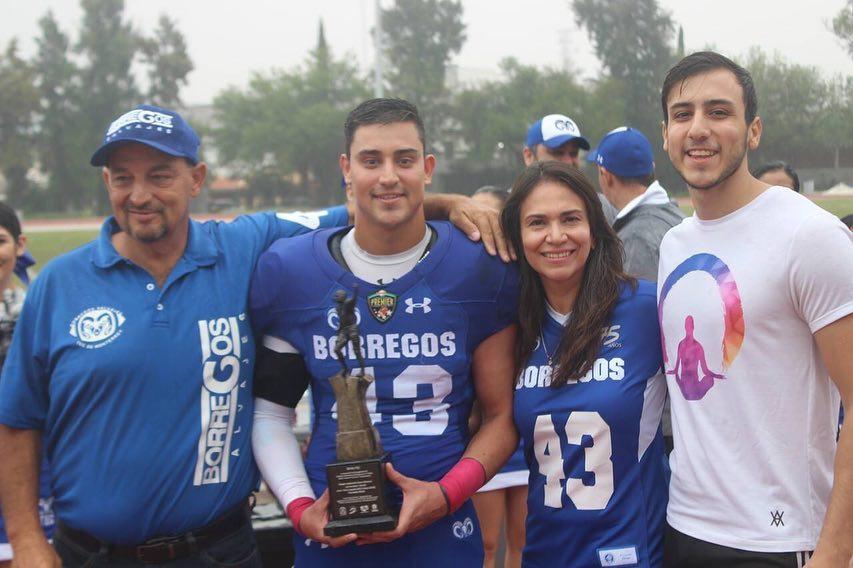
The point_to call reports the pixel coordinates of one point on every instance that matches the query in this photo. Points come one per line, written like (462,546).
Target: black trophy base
(357,502)
(362,525)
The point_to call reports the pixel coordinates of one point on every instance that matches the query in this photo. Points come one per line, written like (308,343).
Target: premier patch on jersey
(382,305)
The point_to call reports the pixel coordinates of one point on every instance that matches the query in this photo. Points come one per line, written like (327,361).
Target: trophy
(357,502)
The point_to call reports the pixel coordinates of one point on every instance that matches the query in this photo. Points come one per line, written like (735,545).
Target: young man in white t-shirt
(755,295)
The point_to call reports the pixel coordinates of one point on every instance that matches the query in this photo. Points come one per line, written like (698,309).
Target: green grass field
(45,246)
(838,206)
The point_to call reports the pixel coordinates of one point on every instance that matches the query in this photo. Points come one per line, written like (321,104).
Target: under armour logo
(777,518)
(424,305)
(463,529)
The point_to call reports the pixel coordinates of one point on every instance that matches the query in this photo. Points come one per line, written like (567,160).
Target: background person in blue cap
(554,137)
(132,363)
(626,175)
(644,212)
(557,137)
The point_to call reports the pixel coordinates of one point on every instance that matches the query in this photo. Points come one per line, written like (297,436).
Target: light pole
(377,41)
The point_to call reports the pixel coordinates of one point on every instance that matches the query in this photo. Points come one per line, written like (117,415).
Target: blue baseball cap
(553,131)
(153,126)
(625,152)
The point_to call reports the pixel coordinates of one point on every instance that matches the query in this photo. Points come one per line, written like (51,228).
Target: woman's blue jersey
(597,491)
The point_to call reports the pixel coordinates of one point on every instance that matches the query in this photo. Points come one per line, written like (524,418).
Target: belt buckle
(152,551)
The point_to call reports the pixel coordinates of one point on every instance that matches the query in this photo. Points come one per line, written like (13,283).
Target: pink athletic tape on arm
(295,509)
(462,481)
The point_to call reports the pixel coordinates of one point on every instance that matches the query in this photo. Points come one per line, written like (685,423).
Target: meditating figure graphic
(690,357)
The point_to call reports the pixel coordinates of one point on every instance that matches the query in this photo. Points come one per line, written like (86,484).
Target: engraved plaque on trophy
(357,501)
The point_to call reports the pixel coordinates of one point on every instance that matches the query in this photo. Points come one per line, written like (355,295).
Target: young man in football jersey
(433,311)
(756,289)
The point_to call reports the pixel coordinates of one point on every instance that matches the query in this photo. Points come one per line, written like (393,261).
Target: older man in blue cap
(132,362)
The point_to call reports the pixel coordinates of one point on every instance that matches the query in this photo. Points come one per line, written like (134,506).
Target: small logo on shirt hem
(776,518)
(463,529)
(623,556)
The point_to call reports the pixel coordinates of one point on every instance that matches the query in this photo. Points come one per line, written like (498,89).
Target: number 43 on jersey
(549,455)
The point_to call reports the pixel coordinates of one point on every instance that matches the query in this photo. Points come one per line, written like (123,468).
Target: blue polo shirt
(144,393)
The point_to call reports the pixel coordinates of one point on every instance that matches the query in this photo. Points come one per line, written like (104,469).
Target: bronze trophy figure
(357,500)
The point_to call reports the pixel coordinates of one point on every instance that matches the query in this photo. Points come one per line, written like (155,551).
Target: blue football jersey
(597,491)
(418,334)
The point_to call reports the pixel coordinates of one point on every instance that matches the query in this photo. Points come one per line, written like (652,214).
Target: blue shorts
(452,541)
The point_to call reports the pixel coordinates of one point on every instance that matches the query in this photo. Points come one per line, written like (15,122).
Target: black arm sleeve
(281,378)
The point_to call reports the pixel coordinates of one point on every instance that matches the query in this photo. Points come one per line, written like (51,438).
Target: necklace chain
(544,346)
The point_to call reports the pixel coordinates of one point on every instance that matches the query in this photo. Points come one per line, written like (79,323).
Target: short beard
(728,172)
(148,238)
(145,238)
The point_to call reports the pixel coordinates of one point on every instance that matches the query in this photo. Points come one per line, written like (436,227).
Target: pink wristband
(295,509)
(462,481)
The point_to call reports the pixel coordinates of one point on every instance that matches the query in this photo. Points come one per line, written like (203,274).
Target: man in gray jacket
(626,175)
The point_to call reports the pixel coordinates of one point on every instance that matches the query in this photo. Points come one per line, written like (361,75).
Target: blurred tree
(842,25)
(108,46)
(290,124)
(18,106)
(169,63)
(62,154)
(834,127)
(492,120)
(501,111)
(419,39)
(633,40)
(791,100)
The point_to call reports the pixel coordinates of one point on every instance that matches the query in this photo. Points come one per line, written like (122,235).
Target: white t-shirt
(381,269)
(754,426)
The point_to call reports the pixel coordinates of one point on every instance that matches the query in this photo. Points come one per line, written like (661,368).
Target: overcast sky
(228,39)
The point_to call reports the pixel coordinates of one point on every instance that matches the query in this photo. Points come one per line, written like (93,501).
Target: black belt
(164,549)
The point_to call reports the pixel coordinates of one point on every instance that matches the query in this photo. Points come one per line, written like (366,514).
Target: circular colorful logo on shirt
(690,352)
(97,327)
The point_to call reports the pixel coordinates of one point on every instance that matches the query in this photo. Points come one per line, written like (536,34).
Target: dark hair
(705,62)
(603,276)
(499,192)
(645,180)
(848,220)
(382,111)
(778,165)
(9,221)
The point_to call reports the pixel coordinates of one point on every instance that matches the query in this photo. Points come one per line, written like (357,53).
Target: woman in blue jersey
(589,393)
(15,260)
